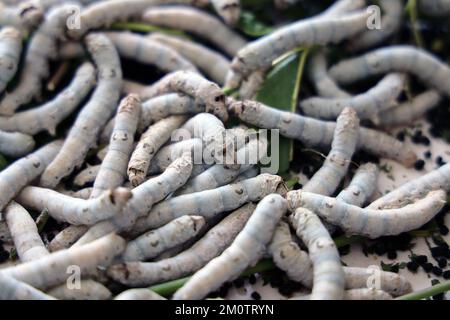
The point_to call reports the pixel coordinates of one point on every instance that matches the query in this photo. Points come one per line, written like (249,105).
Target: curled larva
(139,294)
(369,105)
(435,8)
(49,115)
(88,290)
(152,243)
(408,59)
(86,175)
(328,275)
(95,113)
(362,186)
(15,144)
(229,10)
(13,289)
(10,50)
(357,294)
(197,22)
(22,15)
(67,237)
(22,172)
(369,222)
(213,243)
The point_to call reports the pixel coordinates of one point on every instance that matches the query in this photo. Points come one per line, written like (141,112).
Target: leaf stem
(428,292)
(411,8)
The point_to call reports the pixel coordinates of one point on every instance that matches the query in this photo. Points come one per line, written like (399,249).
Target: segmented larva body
(139,294)
(155,242)
(15,144)
(89,290)
(436,8)
(113,170)
(409,59)
(67,237)
(71,50)
(86,176)
(21,16)
(42,48)
(213,243)
(252,84)
(23,229)
(22,172)
(143,198)
(362,186)
(84,193)
(17,290)
(52,270)
(327,179)
(149,144)
(369,222)
(245,251)
(417,188)
(147,51)
(95,113)
(212,63)
(49,115)
(369,105)
(209,203)
(197,22)
(250,173)
(229,10)
(10,50)
(409,111)
(328,275)
(73,210)
(357,294)
(306,130)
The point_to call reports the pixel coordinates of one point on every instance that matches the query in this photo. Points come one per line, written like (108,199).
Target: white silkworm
(245,251)
(84,193)
(417,188)
(362,186)
(213,243)
(409,111)
(369,222)
(147,51)
(22,16)
(53,269)
(252,84)
(73,210)
(209,203)
(24,171)
(23,229)
(143,198)
(10,50)
(15,144)
(229,10)
(409,59)
(212,63)
(49,115)
(435,8)
(152,243)
(113,170)
(71,50)
(86,176)
(88,290)
(327,179)
(65,238)
(198,22)
(17,290)
(139,294)
(357,294)
(95,113)
(328,275)
(369,105)
(149,144)
(306,130)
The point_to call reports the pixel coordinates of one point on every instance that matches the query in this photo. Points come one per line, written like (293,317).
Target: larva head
(31,13)
(130,104)
(213,98)
(231,12)
(125,273)
(300,217)
(294,199)
(120,196)
(273,184)
(407,157)
(233,80)
(182,164)
(198,222)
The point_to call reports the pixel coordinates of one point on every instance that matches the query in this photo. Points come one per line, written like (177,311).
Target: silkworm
(22,16)
(357,294)
(139,294)
(10,50)
(369,222)
(15,144)
(53,269)
(243,252)
(88,290)
(252,84)
(229,10)
(84,193)
(408,192)
(213,243)
(369,105)
(409,111)
(149,144)
(209,203)
(42,48)
(328,275)
(152,243)
(305,129)
(65,238)
(143,198)
(71,50)
(362,186)
(23,229)
(212,63)
(95,113)
(409,59)
(17,290)
(73,210)
(22,172)
(250,173)
(113,170)
(435,8)
(147,51)
(86,176)
(49,115)
(197,22)
(326,180)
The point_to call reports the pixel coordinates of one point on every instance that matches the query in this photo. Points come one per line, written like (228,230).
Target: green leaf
(411,9)
(3,162)
(251,26)
(146,28)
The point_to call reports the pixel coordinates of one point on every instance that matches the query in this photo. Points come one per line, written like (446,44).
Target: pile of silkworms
(145,183)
